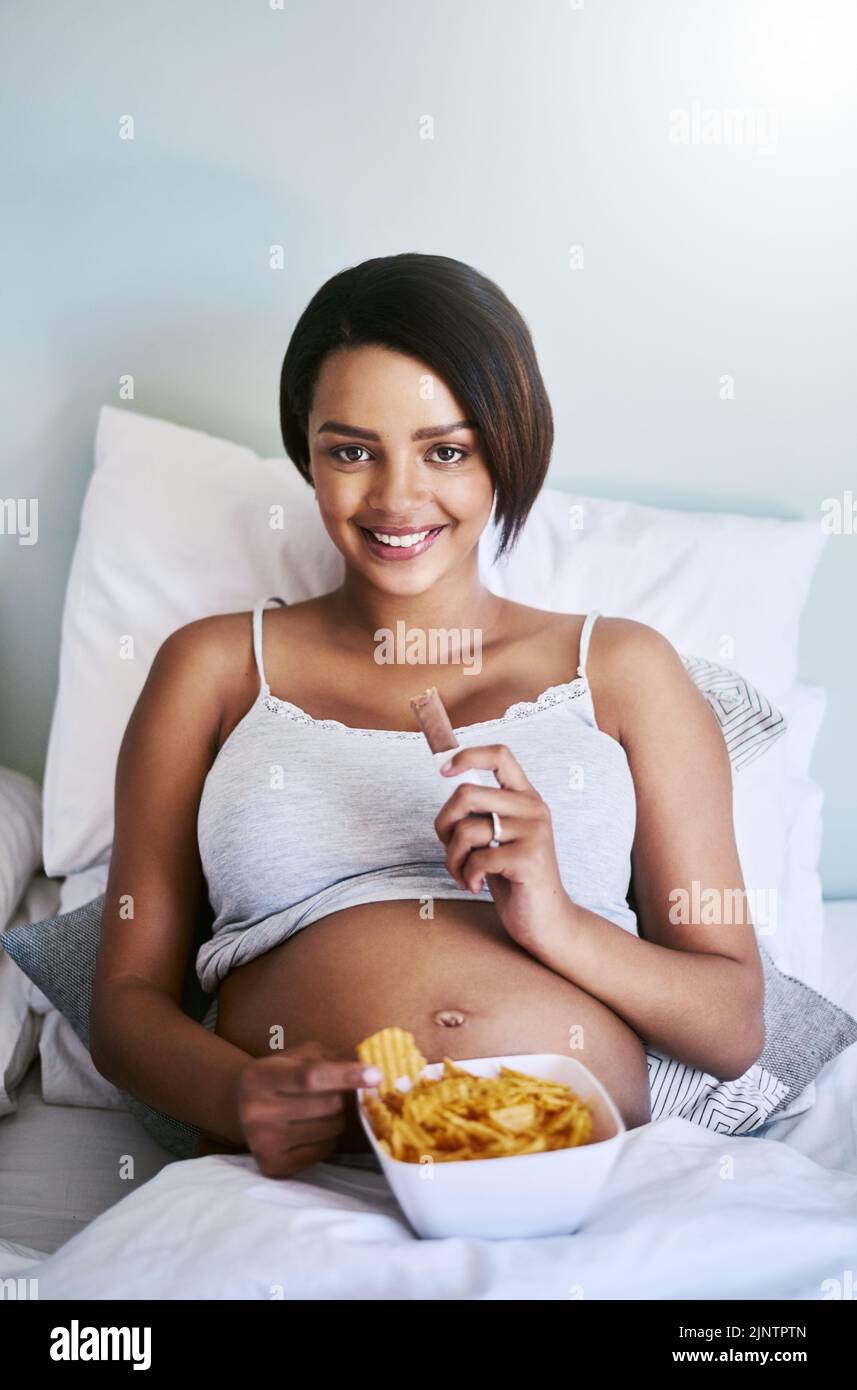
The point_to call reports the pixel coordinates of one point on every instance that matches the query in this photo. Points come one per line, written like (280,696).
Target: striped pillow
(803,1032)
(748,720)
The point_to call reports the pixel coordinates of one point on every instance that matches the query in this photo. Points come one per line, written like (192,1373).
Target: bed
(688,1212)
(668,1225)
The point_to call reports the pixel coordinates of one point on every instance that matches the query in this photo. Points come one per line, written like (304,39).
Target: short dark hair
(462,325)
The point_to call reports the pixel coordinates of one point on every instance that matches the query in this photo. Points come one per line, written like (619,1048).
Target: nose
(397,491)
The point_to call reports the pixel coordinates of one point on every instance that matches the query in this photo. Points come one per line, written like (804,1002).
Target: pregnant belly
(457,982)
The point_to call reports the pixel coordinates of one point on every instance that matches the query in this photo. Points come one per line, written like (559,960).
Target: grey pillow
(59,956)
(803,1031)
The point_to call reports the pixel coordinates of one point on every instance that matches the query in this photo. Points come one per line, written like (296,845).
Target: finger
(520,853)
(475,834)
(262,1117)
(300,1105)
(470,800)
(498,758)
(298,1136)
(289,1074)
(346,1075)
(285,1164)
(507,860)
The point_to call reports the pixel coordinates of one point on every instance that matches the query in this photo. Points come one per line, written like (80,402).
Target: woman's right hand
(291,1105)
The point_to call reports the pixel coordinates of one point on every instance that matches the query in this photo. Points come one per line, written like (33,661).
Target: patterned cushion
(748,720)
(817,1030)
(803,1032)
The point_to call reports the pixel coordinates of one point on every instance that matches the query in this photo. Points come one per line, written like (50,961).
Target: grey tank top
(300,817)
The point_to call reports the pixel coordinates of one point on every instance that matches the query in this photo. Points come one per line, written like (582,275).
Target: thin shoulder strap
(585,634)
(257,634)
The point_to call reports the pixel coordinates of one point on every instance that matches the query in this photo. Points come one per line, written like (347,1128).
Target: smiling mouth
(386,547)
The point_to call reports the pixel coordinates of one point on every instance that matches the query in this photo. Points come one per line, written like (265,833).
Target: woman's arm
(140,1038)
(158,1054)
(694,989)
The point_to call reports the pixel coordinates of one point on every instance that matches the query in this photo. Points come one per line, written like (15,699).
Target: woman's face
(391,452)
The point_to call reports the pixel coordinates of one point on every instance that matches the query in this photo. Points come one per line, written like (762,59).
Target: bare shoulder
(644,681)
(210,647)
(213,659)
(628,648)
(202,672)
(620,645)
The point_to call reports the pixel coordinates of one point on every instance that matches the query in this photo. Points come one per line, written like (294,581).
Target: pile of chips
(461,1116)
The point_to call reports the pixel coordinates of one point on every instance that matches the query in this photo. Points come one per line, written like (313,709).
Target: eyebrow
(429,432)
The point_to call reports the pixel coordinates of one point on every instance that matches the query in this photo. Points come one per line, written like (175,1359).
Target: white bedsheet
(673,1224)
(686,1214)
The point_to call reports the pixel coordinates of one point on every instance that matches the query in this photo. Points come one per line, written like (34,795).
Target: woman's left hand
(522,873)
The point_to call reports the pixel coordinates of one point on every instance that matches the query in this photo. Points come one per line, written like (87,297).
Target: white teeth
(406,541)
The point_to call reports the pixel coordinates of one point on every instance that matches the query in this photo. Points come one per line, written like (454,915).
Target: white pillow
(777,816)
(20,855)
(726,587)
(778,824)
(20,838)
(69,1076)
(19,1024)
(177,525)
(796,945)
(19,1031)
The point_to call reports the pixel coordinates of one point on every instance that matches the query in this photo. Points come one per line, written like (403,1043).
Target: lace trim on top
(523,709)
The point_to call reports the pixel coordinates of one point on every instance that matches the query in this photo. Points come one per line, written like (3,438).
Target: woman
(277,766)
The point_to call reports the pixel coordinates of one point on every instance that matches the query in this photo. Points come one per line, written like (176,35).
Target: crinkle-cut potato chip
(515,1117)
(458,1115)
(395,1052)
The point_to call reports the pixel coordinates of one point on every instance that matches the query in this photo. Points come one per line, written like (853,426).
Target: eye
(335,453)
(450,449)
(344,454)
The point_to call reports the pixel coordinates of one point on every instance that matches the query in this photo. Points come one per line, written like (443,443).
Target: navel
(449,1018)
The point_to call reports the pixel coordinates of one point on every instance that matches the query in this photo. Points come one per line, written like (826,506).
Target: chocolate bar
(434,721)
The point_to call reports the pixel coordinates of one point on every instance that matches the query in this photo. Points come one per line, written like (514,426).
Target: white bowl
(540,1194)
